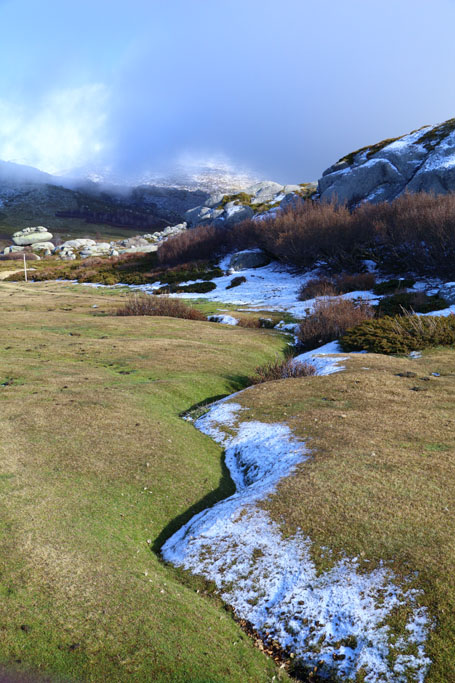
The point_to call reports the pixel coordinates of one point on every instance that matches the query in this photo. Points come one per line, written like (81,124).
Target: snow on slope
(337,617)
(273,287)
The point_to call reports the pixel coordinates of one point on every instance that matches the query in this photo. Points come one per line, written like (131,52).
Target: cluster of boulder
(38,240)
(254,202)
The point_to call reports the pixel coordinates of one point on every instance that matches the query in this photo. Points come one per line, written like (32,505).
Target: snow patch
(223,319)
(273,582)
(323,359)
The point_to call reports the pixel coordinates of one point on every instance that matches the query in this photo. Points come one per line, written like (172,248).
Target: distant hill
(70,207)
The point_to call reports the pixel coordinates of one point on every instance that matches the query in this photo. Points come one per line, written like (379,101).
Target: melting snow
(272,581)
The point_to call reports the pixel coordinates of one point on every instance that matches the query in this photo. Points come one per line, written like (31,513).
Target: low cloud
(63,131)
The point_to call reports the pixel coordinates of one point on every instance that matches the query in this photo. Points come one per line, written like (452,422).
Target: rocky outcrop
(257,200)
(423,160)
(28,236)
(36,239)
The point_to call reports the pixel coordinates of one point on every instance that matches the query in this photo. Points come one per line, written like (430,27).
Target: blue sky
(282,88)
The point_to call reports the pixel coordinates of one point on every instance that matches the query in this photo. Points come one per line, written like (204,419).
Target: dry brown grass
(330,319)
(281,369)
(380,484)
(143,304)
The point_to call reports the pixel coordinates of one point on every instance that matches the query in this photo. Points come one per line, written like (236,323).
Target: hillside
(79,209)
(421,161)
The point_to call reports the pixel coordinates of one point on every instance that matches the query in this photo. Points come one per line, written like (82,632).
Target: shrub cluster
(337,284)
(160,306)
(410,302)
(414,233)
(194,288)
(19,256)
(281,369)
(393,286)
(236,281)
(329,321)
(400,334)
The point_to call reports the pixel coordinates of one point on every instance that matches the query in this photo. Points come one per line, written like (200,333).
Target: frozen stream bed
(338,617)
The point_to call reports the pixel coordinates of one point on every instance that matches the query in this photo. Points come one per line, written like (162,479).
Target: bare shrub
(19,256)
(249,322)
(329,321)
(144,304)
(338,284)
(347,282)
(281,369)
(415,233)
(318,286)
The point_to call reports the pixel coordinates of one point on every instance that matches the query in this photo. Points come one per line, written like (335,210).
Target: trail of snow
(272,581)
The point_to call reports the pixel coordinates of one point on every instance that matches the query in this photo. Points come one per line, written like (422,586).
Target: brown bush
(415,233)
(19,256)
(347,282)
(317,286)
(281,369)
(144,304)
(249,322)
(330,319)
(338,284)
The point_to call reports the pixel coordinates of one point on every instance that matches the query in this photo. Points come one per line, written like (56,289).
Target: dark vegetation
(194,288)
(337,284)
(410,302)
(329,321)
(281,369)
(236,281)
(415,233)
(400,334)
(393,286)
(159,306)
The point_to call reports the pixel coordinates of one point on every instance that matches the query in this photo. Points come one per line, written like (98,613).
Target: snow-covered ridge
(338,617)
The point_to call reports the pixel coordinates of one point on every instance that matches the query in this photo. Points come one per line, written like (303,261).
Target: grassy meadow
(380,485)
(97,469)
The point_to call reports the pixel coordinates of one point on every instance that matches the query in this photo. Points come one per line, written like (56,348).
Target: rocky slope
(256,200)
(423,160)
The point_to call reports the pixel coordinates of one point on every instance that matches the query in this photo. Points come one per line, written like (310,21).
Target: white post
(25,269)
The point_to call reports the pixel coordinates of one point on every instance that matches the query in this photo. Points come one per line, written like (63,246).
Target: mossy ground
(380,485)
(96,470)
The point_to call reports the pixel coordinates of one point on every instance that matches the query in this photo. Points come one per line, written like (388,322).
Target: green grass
(97,469)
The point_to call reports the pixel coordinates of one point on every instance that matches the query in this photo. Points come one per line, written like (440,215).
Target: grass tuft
(143,304)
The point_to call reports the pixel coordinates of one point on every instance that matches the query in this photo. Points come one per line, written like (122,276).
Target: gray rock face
(423,160)
(255,201)
(251,258)
(29,236)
